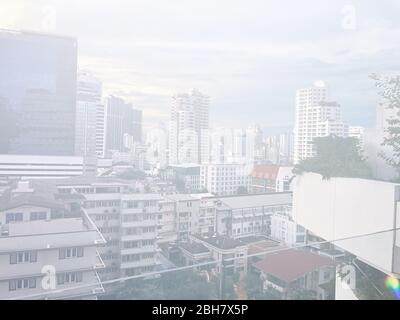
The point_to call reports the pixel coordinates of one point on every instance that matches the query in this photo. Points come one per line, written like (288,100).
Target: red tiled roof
(289,265)
(265,171)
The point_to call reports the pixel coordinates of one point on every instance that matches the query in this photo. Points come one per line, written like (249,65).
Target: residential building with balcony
(139,234)
(229,254)
(187,210)
(48,246)
(127,219)
(249,215)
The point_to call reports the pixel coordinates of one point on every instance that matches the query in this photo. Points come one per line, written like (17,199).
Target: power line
(208,263)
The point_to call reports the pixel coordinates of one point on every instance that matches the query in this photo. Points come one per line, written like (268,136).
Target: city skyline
(146,60)
(199,151)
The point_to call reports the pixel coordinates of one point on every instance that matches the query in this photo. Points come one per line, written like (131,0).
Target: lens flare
(393,284)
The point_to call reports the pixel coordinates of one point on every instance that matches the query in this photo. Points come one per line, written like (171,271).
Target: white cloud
(248,55)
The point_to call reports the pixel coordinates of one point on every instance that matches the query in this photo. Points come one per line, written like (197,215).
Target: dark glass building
(122,121)
(37,93)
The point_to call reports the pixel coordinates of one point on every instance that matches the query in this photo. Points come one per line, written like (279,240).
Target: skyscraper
(315,117)
(37,93)
(123,123)
(89,128)
(188,131)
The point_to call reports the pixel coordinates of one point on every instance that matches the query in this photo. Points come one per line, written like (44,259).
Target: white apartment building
(90,121)
(187,210)
(249,215)
(225,179)
(188,124)
(228,253)
(207,213)
(284,229)
(167,229)
(358,133)
(44,167)
(127,219)
(48,248)
(315,117)
(139,220)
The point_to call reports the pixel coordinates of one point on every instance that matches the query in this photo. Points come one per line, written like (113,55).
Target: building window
(38,216)
(69,277)
(23,257)
(327,275)
(14,217)
(68,253)
(18,284)
(131,244)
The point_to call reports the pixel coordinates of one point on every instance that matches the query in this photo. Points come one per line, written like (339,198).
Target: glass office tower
(37,93)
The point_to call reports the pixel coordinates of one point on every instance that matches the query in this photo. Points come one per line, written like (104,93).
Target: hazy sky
(249,56)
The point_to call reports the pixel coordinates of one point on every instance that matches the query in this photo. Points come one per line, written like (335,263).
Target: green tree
(175,285)
(187,285)
(229,283)
(269,293)
(139,289)
(254,285)
(389,87)
(335,157)
(132,174)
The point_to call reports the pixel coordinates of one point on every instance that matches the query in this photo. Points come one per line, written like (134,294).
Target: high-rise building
(89,128)
(254,145)
(286,148)
(279,149)
(37,93)
(315,117)
(123,123)
(101,130)
(236,145)
(157,145)
(224,179)
(188,129)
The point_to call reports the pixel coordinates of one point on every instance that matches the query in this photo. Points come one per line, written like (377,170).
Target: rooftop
(89,181)
(54,226)
(36,193)
(194,247)
(141,196)
(180,197)
(257,200)
(265,171)
(202,195)
(222,242)
(289,265)
(185,165)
